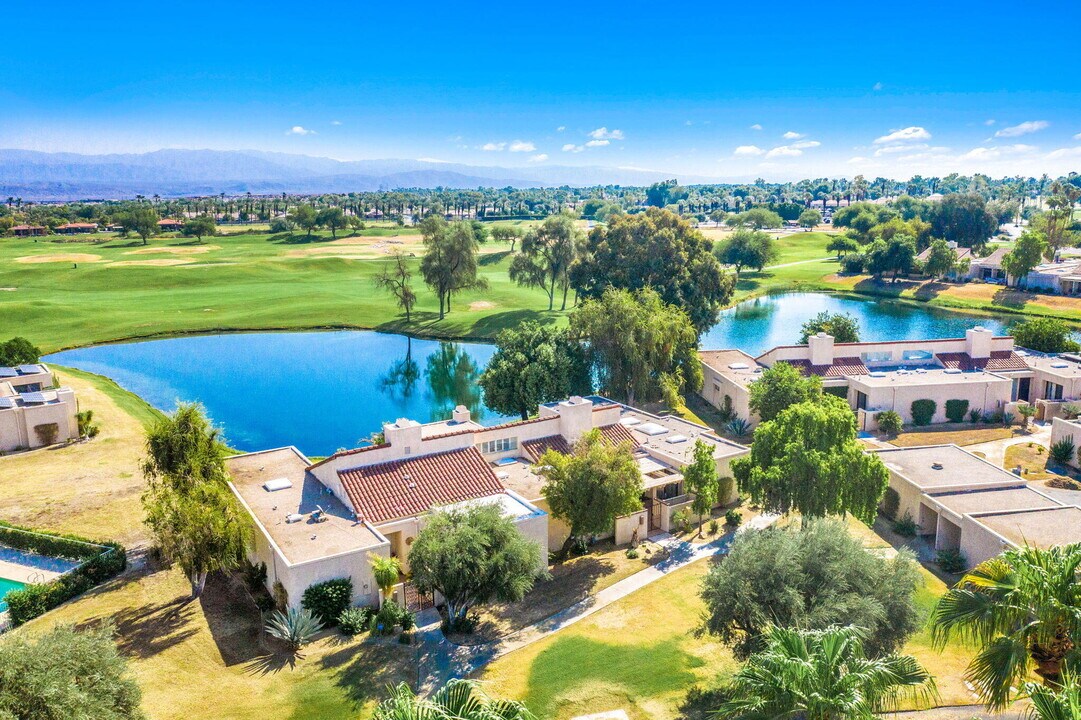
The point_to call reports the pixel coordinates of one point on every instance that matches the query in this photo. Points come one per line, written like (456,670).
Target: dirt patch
(482,305)
(8,289)
(59,258)
(186,250)
(357,248)
(162,262)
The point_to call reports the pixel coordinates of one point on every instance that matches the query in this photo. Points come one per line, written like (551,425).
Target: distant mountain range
(35,175)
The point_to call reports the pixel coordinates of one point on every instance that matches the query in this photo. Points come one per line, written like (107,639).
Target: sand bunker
(60,257)
(185,250)
(8,289)
(481,305)
(163,262)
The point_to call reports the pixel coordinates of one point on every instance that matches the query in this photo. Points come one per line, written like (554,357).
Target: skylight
(277,484)
(652,429)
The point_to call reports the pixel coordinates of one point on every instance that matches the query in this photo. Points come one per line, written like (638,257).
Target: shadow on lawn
(368,668)
(147,630)
(234,621)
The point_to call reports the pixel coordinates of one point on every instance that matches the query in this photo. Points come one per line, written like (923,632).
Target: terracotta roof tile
(841,367)
(411,486)
(1001,360)
(614,433)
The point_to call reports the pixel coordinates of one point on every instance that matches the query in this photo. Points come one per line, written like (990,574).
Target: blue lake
(322,391)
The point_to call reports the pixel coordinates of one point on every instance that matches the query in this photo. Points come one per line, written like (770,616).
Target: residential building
(76,228)
(980,368)
(168,225)
(32,412)
(988,269)
(963,254)
(29,230)
(962,502)
(1062,277)
(317,521)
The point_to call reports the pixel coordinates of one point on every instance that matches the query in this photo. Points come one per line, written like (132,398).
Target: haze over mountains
(34,175)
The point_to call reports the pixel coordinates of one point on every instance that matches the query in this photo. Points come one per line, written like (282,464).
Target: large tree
(822,675)
(533,364)
(1022,610)
(700,479)
(843,327)
(546,257)
(941,260)
(198,227)
(450,259)
(18,351)
(141,220)
(472,556)
(808,460)
(66,673)
(656,249)
(964,219)
(811,577)
(506,234)
(332,218)
(190,510)
(592,486)
(639,347)
(396,279)
(747,248)
(306,217)
(781,386)
(1046,335)
(896,255)
(1027,252)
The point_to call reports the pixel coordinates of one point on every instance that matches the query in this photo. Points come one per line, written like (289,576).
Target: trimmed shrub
(956,409)
(951,561)
(1062,452)
(328,600)
(923,411)
(906,526)
(889,422)
(355,620)
(975,415)
(891,502)
(733,518)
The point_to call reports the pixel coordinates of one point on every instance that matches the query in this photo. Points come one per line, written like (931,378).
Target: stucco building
(32,412)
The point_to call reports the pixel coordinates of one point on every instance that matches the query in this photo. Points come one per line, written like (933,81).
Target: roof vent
(936,466)
(1060,365)
(277,484)
(738,366)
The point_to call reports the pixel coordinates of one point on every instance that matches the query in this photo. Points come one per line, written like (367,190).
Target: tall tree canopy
(747,248)
(813,577)
(700,479)
(397,280)
(807,460)
(964,219)
(592,486)
(66,673)
(450,259)
(546,257)
(533,364)
(656,249)
(842,326)
(1044,335)
(471,556)
(780,387)
(199,227)
(18,351)
(141,220)
(639,347)
(941,260)
(1028,251)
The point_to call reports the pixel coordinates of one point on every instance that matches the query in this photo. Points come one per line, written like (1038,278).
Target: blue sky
(778,90)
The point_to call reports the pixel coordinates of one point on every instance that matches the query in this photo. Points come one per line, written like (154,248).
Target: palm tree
(457,700)
(1023,608)
(1049,704)
(821,675)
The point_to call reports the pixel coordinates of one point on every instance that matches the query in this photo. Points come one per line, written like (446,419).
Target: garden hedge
(100,562)
(956,410)
(923,411)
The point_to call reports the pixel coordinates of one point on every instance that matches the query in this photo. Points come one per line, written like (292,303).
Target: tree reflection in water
(452,380)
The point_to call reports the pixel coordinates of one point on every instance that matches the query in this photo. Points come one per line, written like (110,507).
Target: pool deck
(27,567)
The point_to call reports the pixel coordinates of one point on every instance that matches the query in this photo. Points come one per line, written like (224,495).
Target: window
(861,400)
(497,446)
(916,355)
(876,357)
(1052,391)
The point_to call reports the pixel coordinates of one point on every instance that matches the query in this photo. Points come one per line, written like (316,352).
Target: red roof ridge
(344,453)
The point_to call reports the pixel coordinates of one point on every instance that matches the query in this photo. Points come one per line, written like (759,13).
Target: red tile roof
(614,433)
(1000,360)
(841,367)
(411,486)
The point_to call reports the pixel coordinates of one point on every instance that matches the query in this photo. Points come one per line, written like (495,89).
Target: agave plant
(738,427)
(295,627)
(458,699)
(1055,703)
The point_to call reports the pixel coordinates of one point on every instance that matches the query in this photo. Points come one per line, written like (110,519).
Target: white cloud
(899,148)
(756,126)
(603,133)
(1077,136)
(1064,153)
(539,158)
(908,134)
(784,151)
(689,123)
(598,143)
(877,86)
(856,160)
(989,122)
(791,135)
(1029,126)
(300,130)
(571,147)
(522,146)
(493,146)
(991,153)
(335,122)
(803,144)
(748,150)
(561,128)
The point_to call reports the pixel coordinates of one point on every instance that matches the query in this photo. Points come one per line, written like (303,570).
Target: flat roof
(924,376)
(305,539)
(995,499)
(520,477)
(1060,366)
(1042,528)
(442,427)
(958,467)
(672,427)
(721,362)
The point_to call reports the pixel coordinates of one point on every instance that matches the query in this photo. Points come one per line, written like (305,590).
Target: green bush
(100,562)
(632,553)
(681,519)
(295,627)
(389,617)
(975,415)
(853,262)
(733,518)
(327,600)
(1062,452)
(951,561)
(355,620)
(906,526)
(713,527)
(891,502)
(889,422)
(956,409)
(923,411)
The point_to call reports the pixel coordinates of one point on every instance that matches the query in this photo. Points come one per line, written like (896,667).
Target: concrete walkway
(995,450)
(441,660)
(799,262)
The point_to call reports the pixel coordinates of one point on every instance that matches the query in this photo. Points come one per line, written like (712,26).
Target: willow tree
(807,460)
(546,257)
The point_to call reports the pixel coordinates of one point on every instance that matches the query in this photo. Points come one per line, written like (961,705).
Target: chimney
(978,342)
(460,414)
(404,435)
(575,417)
(821,346)
(951,244)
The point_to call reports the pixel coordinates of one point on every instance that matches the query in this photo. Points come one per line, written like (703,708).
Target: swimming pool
(7,586)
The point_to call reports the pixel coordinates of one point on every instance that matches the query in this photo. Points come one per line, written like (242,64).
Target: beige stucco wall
(714,388)
(988,396)
(17,424)
(979,543)
(1061,429)
(627,525)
